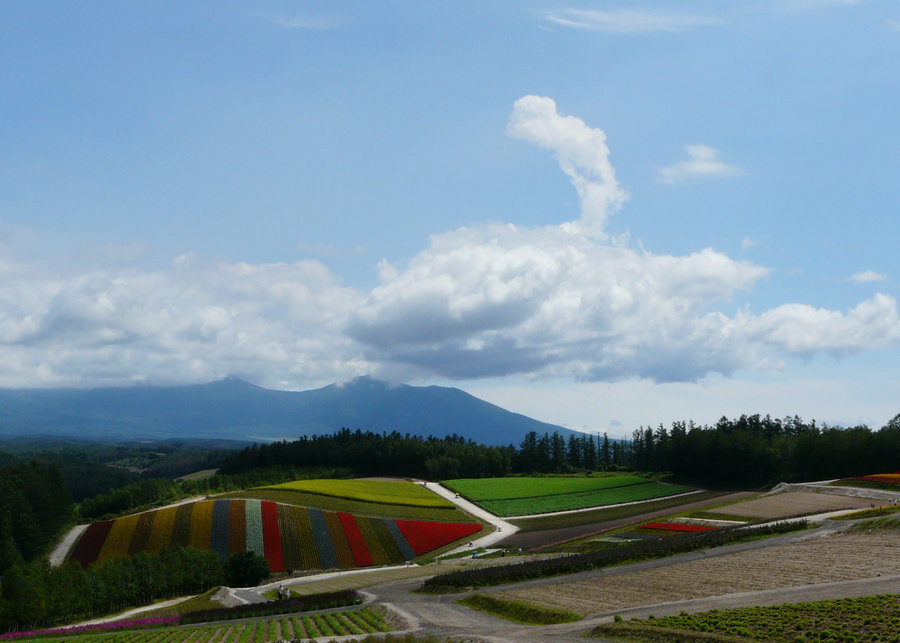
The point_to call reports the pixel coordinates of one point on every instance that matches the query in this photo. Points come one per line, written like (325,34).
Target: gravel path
(59,553)
(502,528)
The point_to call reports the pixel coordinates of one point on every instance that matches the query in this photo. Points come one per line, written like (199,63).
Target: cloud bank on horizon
(566,300)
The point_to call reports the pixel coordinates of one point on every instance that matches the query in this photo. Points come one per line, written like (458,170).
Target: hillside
(234,409)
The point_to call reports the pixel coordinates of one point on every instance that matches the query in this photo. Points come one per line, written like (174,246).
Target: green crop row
(869,618)
(380,491)
(367,620)
(478,489)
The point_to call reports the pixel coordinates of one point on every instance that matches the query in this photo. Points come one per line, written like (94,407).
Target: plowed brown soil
(816,560)
(796,503)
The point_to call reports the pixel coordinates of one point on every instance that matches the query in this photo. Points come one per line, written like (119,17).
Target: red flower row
(369,541)
(886,478)
(425,536)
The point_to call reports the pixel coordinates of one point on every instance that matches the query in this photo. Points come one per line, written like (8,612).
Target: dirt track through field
(825,559)
(534,539)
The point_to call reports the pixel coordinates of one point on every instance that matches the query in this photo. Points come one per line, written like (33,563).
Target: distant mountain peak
(232,408)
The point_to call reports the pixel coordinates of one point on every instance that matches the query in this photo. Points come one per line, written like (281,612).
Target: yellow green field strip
(478,489)
(381,491)
(446,513)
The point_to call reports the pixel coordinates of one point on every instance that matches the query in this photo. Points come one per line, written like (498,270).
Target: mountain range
(237,410)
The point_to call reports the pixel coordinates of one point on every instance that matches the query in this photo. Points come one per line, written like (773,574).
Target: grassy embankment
(518,611)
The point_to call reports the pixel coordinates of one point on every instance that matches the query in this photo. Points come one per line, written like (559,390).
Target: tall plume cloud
(492,300)
(582,154)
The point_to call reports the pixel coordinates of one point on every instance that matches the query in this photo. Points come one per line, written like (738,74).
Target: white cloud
(747,243)
(802,329)
(866,276)
(565,301)
(561,301)
(703,162)
(306,21)
(629,21)
(196,321)
(581,151)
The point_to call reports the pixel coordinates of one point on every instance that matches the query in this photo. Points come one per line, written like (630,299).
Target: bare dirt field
(796,503)
(815,560)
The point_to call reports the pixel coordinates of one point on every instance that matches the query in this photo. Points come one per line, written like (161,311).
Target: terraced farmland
(367,620)
(867,618)
(291,538)
(528,496)
(397,492)
(385,498)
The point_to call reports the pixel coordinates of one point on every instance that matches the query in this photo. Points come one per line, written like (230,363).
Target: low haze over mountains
(234,409)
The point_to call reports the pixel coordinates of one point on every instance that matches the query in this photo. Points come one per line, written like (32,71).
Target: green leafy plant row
(869,618)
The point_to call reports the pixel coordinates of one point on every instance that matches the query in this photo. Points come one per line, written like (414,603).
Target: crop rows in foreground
(869,618)
(361,621)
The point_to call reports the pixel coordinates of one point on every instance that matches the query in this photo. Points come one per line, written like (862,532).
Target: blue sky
(598,214)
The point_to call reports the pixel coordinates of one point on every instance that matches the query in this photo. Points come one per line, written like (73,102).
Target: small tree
(246,569)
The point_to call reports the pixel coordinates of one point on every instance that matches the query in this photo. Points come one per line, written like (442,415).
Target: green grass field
(869,618)
(526,496)
(478,489)
(394,492)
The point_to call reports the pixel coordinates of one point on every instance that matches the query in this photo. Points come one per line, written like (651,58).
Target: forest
(42,492)
(748,451)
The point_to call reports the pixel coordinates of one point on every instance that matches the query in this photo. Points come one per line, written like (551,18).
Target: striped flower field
(291,538)
(884,478)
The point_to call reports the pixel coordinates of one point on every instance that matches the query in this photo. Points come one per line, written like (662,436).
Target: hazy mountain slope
(234,409)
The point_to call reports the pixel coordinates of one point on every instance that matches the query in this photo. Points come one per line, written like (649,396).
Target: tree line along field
(532,495)
(289,537)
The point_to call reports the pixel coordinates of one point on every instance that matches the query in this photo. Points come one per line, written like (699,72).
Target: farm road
(543,538)
(438,616)
(503,528)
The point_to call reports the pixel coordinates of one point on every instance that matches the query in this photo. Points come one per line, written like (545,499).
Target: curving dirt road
(438,616)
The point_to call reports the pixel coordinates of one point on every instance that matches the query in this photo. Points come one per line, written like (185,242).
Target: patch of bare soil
(816,560)
(796,503)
